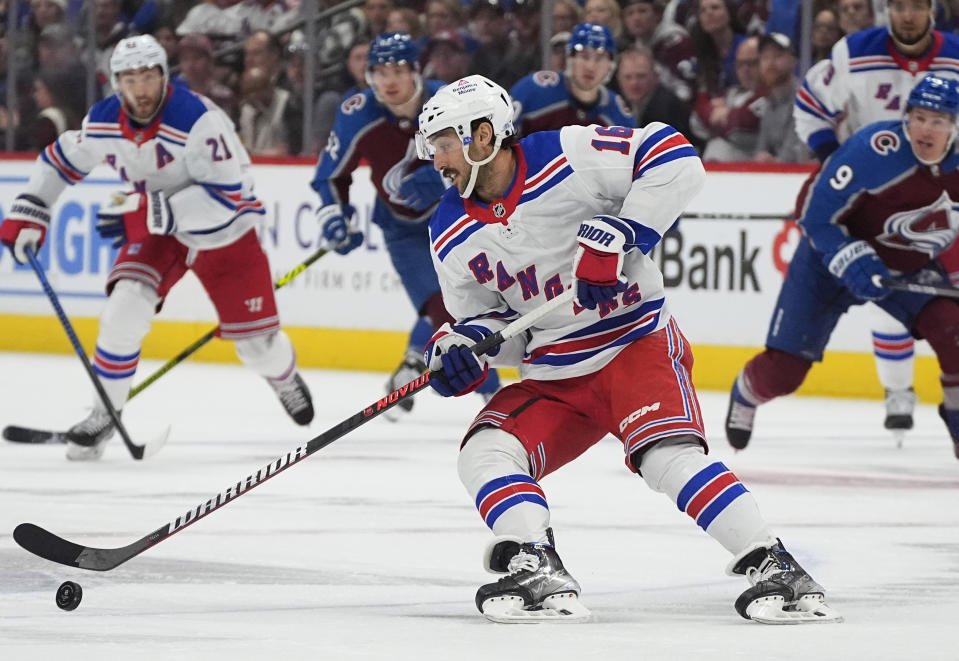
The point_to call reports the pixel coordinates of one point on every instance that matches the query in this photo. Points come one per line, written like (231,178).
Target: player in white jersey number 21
(190,206)
(524,221)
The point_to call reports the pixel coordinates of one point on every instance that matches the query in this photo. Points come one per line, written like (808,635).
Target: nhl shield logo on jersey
(499,210)
(930,229)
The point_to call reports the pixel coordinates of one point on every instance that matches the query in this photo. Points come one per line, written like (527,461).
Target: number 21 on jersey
(621,146)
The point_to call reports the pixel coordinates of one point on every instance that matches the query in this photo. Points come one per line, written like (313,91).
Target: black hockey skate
(412,366)
(951,418)
(739,419)
(87,438)
(782,592)
(295,397)
(899,407)
(538,587)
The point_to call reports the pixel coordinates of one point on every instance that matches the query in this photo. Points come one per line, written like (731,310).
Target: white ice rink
(371,549)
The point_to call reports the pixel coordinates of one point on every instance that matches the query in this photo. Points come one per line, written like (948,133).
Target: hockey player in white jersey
(524,221)
(867,79)
(190,206)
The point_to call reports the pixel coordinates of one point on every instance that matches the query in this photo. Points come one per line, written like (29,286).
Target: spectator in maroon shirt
(670,44)
(730,123)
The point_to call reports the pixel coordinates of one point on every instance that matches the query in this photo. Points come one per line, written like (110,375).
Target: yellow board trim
(842,374)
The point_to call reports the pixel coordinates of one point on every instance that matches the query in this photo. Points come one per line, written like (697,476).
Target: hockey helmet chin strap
(949,145)
(474,170)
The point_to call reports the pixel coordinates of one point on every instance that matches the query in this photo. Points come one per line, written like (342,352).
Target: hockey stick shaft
(202,341)
(47,545)
(915,287)
(137,451)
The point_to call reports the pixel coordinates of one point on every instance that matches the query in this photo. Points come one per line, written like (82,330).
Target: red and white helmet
(456,106)
(137,53)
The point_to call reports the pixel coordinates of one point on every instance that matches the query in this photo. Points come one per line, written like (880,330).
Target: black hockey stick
(47,545)
(33,435)
(137,451)
(914,287)
(200,342)
(16,434)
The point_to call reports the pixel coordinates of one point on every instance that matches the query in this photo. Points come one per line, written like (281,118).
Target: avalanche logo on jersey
(546,78)
(395,175)
(353,104)
(884,142)
(930,229)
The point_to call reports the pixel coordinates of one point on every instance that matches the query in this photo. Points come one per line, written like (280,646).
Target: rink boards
(723,267)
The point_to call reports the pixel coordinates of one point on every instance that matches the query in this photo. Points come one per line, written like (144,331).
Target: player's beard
(143,109)
(462,178)
(906,41)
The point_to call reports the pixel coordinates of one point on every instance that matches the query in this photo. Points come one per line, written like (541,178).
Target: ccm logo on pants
(638,413)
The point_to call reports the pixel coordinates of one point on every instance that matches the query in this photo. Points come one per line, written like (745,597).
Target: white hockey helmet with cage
(141,52)
(457,106)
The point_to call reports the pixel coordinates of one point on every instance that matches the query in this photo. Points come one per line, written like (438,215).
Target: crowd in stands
(723,72)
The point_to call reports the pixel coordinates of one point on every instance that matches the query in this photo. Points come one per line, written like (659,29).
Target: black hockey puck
(69,595)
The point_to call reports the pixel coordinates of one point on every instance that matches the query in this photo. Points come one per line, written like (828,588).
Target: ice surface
(371,549)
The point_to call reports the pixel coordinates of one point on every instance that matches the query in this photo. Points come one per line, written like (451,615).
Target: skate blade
(810,609)
(77,452)
(509,609)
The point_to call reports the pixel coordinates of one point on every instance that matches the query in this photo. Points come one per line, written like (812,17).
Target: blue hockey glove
(456,369)
(422,188)
(856,264)
(338,230)
(598,263)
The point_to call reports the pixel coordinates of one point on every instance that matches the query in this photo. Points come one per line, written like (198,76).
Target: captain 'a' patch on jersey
(189,151)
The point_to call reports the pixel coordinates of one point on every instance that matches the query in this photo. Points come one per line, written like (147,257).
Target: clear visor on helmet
(444,142)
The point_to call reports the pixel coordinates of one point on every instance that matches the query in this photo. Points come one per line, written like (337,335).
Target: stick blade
(16,434)
(151,447)
(45,544)
(54,548)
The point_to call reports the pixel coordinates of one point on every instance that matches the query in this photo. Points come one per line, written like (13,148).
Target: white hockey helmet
(459,104)
(137,53)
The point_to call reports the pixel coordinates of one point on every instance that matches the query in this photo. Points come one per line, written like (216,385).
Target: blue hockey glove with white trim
(338,231)
(422,188)
(456,369)
(598,263)
(857,264)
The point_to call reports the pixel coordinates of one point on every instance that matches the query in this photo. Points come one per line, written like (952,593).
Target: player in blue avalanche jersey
(378,125)
(867,79)
(884,203)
